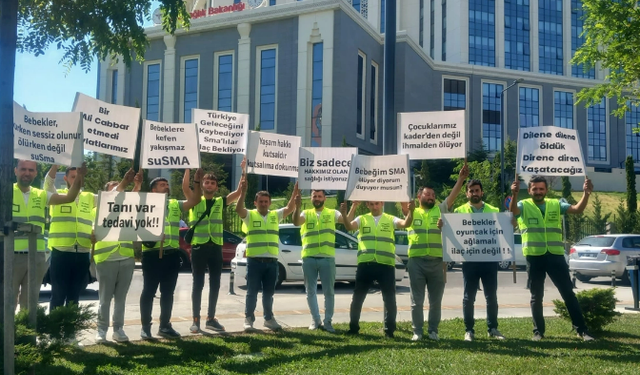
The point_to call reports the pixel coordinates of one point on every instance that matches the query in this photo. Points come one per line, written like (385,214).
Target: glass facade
(432,29)
(632,121)
(563,109)
(225,83)
(529,108)
(114,87)
(316,95)
(444,30)
(190,87)
(576,40)
(360,96)
(550,36)
(597,131)
(153,92)
(272,2)
(454,92)
(491,115)
(268,89)
(373,105)
(383,10)
(482,32)
(356,4)
(516,35)
(421,25)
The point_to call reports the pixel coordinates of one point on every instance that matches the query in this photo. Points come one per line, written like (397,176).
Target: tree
(566,190)
(632,198)
(599,220)
(621,220)
(611,33)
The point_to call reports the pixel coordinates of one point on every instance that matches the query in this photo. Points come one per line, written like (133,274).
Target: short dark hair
(66,173)
(153,182)
(263,193)
(474,182)
(106,186)
(421,189)
(210,176)
(319,190)
(538,178)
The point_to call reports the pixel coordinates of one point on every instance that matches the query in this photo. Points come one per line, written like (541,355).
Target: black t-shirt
(209,203)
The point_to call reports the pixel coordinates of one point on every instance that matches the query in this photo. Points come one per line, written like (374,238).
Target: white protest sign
(54,138)
(273,154)
(379,178)
(108,128)
(549,151)
(482,237)
(169,146)
(325,167)
(432,135)
(130,216)
(221,132)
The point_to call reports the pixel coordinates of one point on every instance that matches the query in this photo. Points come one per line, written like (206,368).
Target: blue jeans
(326,268)
(261,272)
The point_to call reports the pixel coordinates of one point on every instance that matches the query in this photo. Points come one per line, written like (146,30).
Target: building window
(267,89)
(550,36)
(356,5)
(444,30)
(597,131)
(563,109)
(491,115)
(383,11)
(190,88)
(516,35)
(529,107)
(360,105)
(373,105)
(272,2)
(225,83)
(454,94)
(153,92)
(421,24)
(114,87)
(577,21)
(432,22)
(632,120)
(316,95)
(482,39)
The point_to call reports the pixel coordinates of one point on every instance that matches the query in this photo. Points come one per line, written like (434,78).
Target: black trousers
(366,274)
(556,267)
(68,273)
(158,272)
(205,256)
(472,273)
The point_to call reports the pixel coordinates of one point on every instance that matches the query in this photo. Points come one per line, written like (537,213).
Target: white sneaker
(314,326)
(248,325)
(101,336)
(416,337)
(272,324)
(493,332)
(468,336)
(195,327)
(434,336)
(329,328)
(119,335)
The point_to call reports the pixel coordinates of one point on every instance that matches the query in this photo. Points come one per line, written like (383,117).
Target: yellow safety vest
(262,238)
(171,228)
(71,222)
(32,213)
(319,237)
(104,249)
(541,234)
(467,209)
(211,226)
(425,238)
(376,243)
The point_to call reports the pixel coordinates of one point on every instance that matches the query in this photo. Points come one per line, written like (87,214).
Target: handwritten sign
(482,237)
(379,178)
(169,146)
(549,151)
(130,216)
(273,154)
(222,132)
(325,167)
(432,135)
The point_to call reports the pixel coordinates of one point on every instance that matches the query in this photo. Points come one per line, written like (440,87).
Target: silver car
(603,255)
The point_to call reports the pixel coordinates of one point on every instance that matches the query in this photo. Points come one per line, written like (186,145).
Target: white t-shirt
(28,193)
(396,221)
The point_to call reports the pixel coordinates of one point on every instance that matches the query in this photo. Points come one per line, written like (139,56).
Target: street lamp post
(503,133)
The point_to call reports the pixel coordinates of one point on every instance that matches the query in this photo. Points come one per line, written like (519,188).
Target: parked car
(521,261)
(290,257)
(601,255)
(230,241)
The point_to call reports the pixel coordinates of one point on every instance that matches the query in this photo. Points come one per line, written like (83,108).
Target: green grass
(299,351)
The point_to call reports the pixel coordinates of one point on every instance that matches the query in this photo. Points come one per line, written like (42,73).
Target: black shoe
(168,333)
(213,324)
(389,335)
(352,332)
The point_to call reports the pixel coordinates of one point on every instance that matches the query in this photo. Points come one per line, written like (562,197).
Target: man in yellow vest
(473,272)
(425,256)
(206,246)
(114,268)
(319,253)
(262,228)
(376,260)
(29,207)
(540,221)
(163,270)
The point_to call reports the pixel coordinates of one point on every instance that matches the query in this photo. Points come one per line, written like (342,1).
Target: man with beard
(206,246)
(473,272)
(540,221)
(161,268)
(425,264)
(318,253)
(29,207)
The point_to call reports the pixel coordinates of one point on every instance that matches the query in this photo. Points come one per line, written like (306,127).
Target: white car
(290,257)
